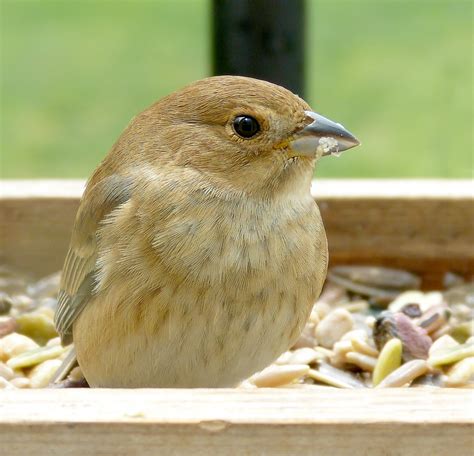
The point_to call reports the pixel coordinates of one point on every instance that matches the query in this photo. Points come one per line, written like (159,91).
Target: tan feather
(77,280)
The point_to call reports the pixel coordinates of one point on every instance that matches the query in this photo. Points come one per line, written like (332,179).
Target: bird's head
(240,133)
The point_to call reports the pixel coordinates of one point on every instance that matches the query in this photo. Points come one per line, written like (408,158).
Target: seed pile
(30,349)
(371,327)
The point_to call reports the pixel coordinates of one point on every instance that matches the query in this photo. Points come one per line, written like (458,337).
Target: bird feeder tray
(426,227)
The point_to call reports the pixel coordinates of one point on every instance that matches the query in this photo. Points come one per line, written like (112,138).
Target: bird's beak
(322,135)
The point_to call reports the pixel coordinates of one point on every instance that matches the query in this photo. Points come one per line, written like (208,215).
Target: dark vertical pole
(260,38)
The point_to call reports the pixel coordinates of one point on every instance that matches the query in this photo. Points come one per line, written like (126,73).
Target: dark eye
(246,126)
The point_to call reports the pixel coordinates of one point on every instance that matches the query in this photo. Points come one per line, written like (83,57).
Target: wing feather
(78,277)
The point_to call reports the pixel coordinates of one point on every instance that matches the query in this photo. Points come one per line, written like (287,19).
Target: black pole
(263,39)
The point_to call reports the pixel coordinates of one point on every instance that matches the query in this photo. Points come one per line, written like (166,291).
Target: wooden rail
(426,226)
(318,421)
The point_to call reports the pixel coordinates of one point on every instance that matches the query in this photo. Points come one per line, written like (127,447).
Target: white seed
(359,322)
(406,373)
(284,358)
(306,338)
(322,309)
(355,334)
(360,342)
(324,353)
(53,342)
(342,347)
(76,374)
(442,343)
(370,321)
(362,346)
(335,377)
(304,355)
(451,355)
(356,306)
(36,356)
(244,385)
(338,357)
(424,300)
(14,344)
(41,375)
(446,329)
(6,372)
(314,317)
(20,382)
(461,373)
(279,375)
(365,362)
(333,327)
(5,384)
(407,297)
(432,299)
(65,352)
(461,311)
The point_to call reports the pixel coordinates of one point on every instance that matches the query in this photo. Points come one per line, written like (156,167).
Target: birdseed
(371,327)
(390,359)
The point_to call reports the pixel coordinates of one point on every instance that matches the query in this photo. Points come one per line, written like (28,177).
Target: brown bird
(198,251)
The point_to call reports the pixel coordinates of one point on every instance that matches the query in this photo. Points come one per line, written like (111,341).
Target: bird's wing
(78,276)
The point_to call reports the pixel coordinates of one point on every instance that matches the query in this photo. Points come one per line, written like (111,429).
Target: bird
(197,251)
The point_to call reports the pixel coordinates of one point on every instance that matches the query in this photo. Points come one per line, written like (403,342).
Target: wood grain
(316,421)
(423,226)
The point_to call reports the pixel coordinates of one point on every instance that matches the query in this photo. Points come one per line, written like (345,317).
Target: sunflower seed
(405,374)
(389,360)
(461,372)
(279,375)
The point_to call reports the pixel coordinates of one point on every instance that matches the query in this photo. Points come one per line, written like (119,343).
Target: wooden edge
(41,188)
(393,188)
(424,226)
(321,188)
(314,421)
(316,405)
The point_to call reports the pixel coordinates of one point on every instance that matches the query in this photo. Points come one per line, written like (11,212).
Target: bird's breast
(237,242)
(222,287)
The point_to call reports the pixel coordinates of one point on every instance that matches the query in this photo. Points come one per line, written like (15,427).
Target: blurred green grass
(397,73)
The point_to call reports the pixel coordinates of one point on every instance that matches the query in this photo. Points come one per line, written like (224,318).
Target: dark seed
(5,304)
(411,310)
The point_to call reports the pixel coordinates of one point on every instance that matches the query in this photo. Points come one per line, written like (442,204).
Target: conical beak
(322,135)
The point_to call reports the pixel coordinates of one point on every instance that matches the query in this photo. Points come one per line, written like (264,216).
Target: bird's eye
(246,126)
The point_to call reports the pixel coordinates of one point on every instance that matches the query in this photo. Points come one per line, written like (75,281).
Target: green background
(396,73)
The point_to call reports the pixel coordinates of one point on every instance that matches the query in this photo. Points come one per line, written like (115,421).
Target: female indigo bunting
(197,250)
